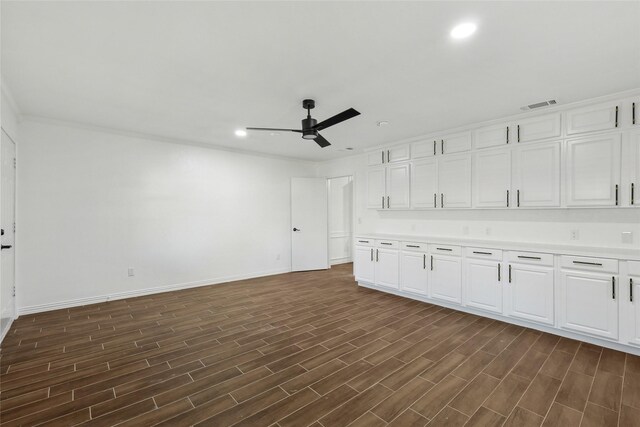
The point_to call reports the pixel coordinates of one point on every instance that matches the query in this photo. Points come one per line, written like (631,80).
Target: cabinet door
(376,158)
(593,118)
(593,171)
(530,293)
(398,154)
(398,186)
(492,136)
(540,127)
(492,178)
(424,183)
(536,175)
(454,181)
(588,303)
(414,272)
(376,187)
(633,184)
(422,149)
(364,264)
(387,267)
(483,287)
(634,304)
(455,143)
(446,278)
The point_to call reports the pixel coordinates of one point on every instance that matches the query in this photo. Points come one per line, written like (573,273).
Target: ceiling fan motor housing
(307,128)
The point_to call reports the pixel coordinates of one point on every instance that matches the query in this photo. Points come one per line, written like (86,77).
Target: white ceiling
(197,71)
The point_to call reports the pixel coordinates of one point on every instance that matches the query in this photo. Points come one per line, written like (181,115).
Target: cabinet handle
(442,200)
(633,113)
(613,287)
(431,262)
(387,202)
(444,249)
(507,198)
(386,243)
(372,254)
(442,145)
(518,133)
(499,268)
(631,290)
(382,152)
(518,197)
(363,241)
(413,246)
(509,273)
(424,261)
(616,116)
(588,263)
(377,255)
(481,253)
(388,156)
(435,200)
(616,194)
(434,147)
(382,202)
(632,192)
(507,134)
(529,257)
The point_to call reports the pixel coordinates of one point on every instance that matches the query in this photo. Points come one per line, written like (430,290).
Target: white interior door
(7,217)
(309,235)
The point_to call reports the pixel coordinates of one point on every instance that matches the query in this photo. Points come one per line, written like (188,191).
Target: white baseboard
(337,261)
(141,292)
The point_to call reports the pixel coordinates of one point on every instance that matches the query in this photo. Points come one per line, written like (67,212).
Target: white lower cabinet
(633,320)
(363,264)
(414,272)
(484,285)
(387,267)
(529,292)
(588,303)
(446,278)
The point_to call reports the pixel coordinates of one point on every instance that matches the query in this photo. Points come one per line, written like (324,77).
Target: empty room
(320,213)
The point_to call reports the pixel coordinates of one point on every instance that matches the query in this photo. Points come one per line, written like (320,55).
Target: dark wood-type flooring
(303,349)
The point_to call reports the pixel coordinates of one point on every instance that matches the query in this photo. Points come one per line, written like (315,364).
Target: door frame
(353,214)
(14,308)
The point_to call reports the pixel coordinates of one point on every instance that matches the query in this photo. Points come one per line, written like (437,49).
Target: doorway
(340,219)
(7,238)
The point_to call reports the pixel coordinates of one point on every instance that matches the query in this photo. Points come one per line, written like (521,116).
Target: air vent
(539,105)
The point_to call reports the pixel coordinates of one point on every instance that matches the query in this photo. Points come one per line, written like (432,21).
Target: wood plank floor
(303,349)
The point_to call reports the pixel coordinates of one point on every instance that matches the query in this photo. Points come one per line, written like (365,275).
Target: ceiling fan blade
(276,130)
(345,115)
(321,141)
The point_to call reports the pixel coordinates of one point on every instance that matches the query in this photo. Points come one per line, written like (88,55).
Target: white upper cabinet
(398,186)
(424,183)
(454,181)
(588,303)
(632,156)
(593,171)
(483,285)
(635,112)
(540,127)
(376,191)
(446,278)
(593,118)
(491,136)
(426,148)
(398,154)
(375,158)
(455,143)
(415,272)
(536,175)
(492,178)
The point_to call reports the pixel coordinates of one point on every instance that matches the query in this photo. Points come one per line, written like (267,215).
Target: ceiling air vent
(539,105)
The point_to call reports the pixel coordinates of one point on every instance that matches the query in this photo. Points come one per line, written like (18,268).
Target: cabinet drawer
(363,241)
(530,258)
(390,244)
(484,253)
(634,268)
(589,264)
(412,246)
(445,250)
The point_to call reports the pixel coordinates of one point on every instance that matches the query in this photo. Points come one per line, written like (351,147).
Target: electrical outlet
(627,237)
(131,272)
(574,234)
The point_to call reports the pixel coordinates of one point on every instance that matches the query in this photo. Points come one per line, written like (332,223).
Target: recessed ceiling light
(463,30)
(241,132)
(383,123)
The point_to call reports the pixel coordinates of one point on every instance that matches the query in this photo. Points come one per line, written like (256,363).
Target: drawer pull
(442,145)
(499,268)
(507,198)
(616,194)
(386,243)
(431,262)
(424,261)
(377,255)
(507,134)
(363,241)
(387,202)
(435,200)
(434,148)
(529,257)
(482,253)
(616,116)
(588,263)
(371,254)
(413,246)
(509,273)
(632,191)
(518,133)
(444,249)
(613,287)
(442,200)
(631,290)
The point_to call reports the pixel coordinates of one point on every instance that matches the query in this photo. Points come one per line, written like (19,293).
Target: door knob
(296,229)
(5,247)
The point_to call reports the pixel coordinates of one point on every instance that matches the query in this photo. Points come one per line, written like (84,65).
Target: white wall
(597,227)
(340,219)
(92,204)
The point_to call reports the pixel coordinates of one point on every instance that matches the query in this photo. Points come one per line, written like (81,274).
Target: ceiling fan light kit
(310,126)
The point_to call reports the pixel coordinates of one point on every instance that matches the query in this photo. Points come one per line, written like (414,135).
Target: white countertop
(554,248)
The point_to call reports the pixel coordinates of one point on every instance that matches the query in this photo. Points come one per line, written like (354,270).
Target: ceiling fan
(310,126)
